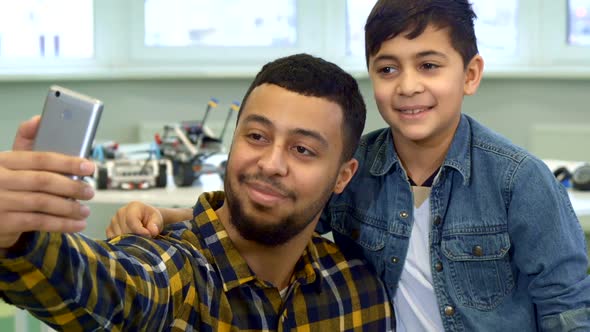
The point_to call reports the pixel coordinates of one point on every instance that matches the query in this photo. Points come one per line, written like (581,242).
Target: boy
(468,231)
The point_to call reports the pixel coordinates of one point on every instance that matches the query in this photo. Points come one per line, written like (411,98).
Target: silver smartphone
(68,122)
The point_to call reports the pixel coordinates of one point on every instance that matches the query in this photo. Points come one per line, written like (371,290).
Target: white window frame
(120,52)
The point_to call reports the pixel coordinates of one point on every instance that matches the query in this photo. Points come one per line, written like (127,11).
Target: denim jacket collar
(386,156)
(458,157)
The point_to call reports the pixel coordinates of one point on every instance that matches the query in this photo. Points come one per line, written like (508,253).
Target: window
(170,23)
(566,35)
(496,28)
(357,12)
(46,29)
(578,22)
(224,33)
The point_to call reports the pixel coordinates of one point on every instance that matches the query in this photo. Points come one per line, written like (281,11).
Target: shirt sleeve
(549,248)
(72,282)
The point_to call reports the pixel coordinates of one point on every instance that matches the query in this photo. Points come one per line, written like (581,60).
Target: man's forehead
(293,113)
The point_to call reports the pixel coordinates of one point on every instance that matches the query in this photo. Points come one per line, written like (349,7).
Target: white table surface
(580,202)
(172,196)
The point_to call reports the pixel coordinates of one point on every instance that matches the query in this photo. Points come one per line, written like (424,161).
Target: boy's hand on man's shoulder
(136,218)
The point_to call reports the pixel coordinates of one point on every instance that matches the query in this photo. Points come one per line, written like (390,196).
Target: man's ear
(473,75)
(347,171)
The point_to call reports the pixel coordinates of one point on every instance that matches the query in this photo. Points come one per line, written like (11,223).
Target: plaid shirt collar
(234,270)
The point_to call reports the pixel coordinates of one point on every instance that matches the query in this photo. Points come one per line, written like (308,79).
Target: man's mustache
(276,185)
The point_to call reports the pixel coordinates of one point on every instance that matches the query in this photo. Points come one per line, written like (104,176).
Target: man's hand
(34,196)
(25,135)
(137,218)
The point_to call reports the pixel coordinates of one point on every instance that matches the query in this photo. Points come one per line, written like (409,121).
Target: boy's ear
(473,74)
(345,174)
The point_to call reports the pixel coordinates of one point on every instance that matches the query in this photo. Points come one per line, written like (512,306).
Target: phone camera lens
(57,93)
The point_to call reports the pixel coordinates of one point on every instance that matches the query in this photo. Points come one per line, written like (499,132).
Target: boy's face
(284,164)
(419,86)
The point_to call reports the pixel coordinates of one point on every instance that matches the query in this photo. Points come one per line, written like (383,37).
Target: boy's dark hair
(311,76)
(389,18)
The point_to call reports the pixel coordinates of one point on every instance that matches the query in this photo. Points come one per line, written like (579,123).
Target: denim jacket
(507,252)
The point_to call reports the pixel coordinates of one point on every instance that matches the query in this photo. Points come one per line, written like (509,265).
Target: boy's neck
(421,160)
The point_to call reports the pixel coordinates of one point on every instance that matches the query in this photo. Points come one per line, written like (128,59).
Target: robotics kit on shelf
(181,154)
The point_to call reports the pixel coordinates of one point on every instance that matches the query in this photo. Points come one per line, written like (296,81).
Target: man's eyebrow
(312,134)
(297,131)
(258,118)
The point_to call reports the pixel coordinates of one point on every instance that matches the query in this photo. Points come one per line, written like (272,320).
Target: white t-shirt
(415,304)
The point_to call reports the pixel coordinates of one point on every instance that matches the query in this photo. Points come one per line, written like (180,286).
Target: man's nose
(274,161)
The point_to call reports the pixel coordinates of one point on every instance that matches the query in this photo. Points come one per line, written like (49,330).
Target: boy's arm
(171,216)
(549,248)
(74,283)
(146,220)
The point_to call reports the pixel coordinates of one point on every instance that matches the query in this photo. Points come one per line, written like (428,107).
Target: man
(465,228)
(248,260)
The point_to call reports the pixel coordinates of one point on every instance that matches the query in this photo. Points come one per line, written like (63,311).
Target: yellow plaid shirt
(191,278)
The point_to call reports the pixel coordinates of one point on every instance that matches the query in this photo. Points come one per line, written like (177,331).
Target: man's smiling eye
(304,151)
(255,136)
(430,66)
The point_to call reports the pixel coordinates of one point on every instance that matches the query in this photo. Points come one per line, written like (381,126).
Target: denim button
(355,234)
(478,251)
(394,260)
(438,266)
(437,220)
(404,214)
(449,310)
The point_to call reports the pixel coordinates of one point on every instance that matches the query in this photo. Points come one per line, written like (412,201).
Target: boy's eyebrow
(423,54)
(386,57)
(297,131)
(431,53)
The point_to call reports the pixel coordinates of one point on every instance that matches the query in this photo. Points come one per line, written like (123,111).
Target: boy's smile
(419,86)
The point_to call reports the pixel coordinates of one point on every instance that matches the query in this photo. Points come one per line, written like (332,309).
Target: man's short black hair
(311,76)
(390,18)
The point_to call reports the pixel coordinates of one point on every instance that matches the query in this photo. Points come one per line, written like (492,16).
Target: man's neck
(271,264)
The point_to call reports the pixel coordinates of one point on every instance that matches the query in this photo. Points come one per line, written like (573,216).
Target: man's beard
(271,233)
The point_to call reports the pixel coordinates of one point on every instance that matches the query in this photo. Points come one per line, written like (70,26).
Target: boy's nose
(409,84)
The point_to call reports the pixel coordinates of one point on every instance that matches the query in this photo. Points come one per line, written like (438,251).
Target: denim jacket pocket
(479,267)
(356,232)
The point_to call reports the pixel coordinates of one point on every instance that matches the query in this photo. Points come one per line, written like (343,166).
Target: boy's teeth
(413,111)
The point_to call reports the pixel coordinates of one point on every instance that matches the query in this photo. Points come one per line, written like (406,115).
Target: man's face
(419,85)
(284,163)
